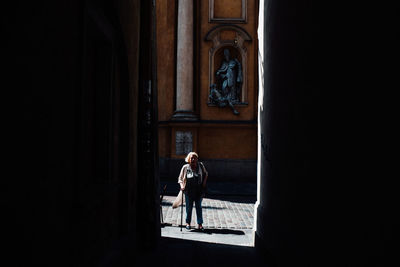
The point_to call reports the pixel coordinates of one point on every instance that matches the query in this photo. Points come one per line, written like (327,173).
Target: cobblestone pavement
(232,213)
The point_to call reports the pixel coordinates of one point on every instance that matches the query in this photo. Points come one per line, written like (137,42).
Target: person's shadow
(211,231)
(165,224)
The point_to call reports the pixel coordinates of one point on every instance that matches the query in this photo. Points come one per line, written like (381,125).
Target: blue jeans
(189,207)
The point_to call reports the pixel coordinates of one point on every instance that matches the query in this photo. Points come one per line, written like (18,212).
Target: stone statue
(229,77)
(217,99)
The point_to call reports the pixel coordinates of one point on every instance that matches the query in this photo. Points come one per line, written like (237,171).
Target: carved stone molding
(233,38)
(214,17)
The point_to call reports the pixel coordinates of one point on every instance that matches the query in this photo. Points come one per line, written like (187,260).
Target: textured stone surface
(228,220)
(218,214)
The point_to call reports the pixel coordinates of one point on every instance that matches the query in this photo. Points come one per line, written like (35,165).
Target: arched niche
(233,38)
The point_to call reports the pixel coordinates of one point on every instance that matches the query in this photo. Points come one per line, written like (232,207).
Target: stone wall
(215,132)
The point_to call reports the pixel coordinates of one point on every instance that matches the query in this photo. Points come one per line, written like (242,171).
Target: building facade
(207,86)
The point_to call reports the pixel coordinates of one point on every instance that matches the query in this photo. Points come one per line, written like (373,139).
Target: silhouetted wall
(286,152)
(319,141)
(72,159)
(70,133)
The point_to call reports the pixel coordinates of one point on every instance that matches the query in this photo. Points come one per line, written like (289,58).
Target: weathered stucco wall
(217,133)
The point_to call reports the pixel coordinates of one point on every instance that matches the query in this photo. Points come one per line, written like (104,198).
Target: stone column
(184,77)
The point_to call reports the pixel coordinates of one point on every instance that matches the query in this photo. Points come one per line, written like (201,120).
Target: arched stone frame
(238,44)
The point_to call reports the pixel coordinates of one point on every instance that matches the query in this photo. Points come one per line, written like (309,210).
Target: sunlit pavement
(228,220)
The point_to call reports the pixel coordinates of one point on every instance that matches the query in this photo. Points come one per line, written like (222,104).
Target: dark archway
(71,199)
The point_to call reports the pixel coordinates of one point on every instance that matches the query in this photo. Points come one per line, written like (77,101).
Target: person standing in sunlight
(193,181)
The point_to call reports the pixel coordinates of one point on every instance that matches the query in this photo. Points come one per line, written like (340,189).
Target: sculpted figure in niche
(229,77)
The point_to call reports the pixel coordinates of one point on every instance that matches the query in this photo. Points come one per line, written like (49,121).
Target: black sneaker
(188,227)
